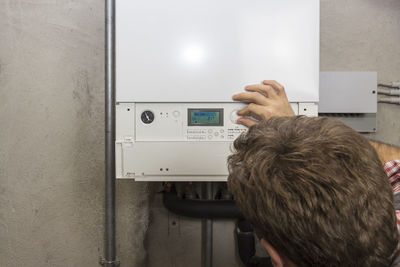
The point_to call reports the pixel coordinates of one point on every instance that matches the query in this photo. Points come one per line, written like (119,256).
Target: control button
(210,137)
(221,131)
(210,130)
(222,136)
(176,113)
(203,131)
(234,116)
(189,131)
(216,133)
(196,137)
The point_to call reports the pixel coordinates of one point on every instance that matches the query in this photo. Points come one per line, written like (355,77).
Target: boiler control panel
(179,141)
(194,122)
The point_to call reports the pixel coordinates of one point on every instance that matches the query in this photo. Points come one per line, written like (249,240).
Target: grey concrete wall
(365,35)
(51,133)
(51,139)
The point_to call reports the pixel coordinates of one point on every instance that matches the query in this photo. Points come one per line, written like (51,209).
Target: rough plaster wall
(52,139)
(365,35)
(356,35)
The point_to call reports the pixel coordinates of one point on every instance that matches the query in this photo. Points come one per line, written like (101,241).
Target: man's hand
(265,100)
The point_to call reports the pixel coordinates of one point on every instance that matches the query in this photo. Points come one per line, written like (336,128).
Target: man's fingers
(246,122)
(277,86)
(253,97)
(251,109)
(244,112)
(264,101)
(266,90)
(256,111)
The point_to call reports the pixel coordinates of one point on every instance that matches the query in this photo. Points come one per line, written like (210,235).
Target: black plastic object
(201,209)
(246,246)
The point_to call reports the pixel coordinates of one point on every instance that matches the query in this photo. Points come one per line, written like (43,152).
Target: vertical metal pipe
(109,242)
(208,230)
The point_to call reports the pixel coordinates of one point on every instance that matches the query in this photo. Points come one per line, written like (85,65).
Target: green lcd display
(205,117)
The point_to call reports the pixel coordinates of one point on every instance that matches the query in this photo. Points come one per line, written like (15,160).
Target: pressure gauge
(147,117)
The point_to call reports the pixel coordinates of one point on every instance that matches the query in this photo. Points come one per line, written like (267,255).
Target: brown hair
(316,191)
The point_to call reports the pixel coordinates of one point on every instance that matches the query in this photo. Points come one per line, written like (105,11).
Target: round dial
(234,116)
(147,117)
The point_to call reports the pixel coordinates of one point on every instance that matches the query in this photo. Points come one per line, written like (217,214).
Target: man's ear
(276,258)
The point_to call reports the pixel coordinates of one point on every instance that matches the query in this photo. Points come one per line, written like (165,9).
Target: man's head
(315,191)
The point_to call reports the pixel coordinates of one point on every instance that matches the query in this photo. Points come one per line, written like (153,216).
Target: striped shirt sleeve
(392,169)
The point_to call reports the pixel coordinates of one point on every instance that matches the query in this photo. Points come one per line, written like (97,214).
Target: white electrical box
(178,63)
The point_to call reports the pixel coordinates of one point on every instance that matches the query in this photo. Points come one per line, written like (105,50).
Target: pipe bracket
(106,263)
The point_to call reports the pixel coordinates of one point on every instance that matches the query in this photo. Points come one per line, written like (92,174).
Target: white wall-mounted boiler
(178,63)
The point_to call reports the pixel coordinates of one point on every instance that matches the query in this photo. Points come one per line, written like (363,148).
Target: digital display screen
(205,117)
